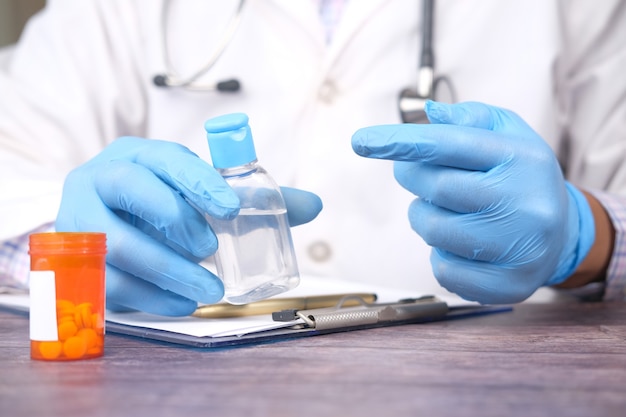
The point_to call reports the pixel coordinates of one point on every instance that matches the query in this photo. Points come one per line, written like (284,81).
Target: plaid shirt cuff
(15,261)
(615,206)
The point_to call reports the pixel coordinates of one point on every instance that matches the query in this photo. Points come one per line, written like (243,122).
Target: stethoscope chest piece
(411,106)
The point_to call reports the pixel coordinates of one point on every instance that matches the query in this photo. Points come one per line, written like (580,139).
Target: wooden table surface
(539,360)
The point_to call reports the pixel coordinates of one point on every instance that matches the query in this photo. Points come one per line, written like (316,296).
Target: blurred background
(13,16)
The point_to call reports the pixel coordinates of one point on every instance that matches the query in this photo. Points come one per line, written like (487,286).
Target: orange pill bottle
(67,295)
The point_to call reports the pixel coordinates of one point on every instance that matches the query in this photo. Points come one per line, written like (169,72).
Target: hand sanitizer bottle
(255,258)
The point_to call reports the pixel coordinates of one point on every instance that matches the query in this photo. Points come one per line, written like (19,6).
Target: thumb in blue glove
(492,203)
(302,206)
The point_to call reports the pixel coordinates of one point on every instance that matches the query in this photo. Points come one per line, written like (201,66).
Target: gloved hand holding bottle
(142,194)
(492,203)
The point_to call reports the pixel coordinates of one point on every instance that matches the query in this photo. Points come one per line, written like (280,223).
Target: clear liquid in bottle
(255,259)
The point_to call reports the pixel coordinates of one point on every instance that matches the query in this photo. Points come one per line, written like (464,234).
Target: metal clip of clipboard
(366,314)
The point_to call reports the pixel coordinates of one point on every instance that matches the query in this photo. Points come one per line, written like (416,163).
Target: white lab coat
(82,77)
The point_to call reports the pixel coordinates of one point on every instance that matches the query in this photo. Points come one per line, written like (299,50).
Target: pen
(423,308)
(223,310)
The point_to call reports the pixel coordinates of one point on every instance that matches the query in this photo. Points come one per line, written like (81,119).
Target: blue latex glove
(492,200)
(138,192)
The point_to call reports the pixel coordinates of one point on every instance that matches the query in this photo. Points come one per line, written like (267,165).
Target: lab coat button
(319,251)
(327,91)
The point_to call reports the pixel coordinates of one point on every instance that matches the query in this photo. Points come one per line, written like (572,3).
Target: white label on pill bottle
(43,309)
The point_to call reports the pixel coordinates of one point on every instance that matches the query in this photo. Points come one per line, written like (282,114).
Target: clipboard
(431,313)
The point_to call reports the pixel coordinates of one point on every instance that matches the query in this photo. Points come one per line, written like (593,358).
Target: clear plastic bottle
(255,258)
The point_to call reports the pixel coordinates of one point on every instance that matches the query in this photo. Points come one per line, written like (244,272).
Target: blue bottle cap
(230,140)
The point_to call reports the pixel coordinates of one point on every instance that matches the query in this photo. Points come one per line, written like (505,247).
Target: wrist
(594,265)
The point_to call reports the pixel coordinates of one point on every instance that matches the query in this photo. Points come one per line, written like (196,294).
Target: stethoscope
(171,78)
(411,101)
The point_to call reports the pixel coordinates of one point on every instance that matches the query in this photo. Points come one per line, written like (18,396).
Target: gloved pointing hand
(492,202)
(142,194)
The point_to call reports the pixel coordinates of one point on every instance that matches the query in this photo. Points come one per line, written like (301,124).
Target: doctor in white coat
(83,75)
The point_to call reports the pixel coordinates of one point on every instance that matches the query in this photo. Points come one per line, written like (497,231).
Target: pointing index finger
(446,145)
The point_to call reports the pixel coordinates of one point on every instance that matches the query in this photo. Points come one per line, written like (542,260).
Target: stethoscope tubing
(171,77)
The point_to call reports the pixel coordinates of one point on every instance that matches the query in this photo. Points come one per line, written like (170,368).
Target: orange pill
(85,306)
(65,308)
(89,336)
(82,315)
(50,350)
(96,321)
(75,347)
(95,351)
(66,330)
